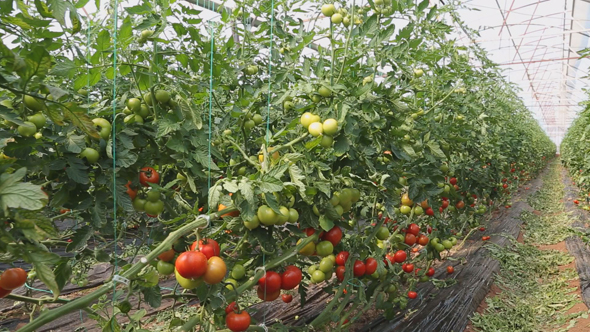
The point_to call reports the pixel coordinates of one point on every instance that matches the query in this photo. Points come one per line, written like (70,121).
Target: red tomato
(342,257)
(209,247)
(148,175)
(13,278)
(413,229)
(400,256)
(269,296)
(430,272)
(412,295)
(423,240)
(456,187)
(482,228)
(370,265)
(429,212)
(460,205)
(504,186)
(271,281)
(450,269)
(334,235)
(429,229)
(4,292)
(440,210)
(287,298)
(340,273)
(132,193)
(576,202)
(408,268)
(191,264)
(62,211)
(359,268)
(167,255)
(309,231)
(445,204)
(238,322)
(410,239)
(291,277)
(231,307)
(453,181)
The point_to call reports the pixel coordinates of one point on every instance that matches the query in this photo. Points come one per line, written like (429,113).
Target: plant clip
(204,216)
(263,326)
(260,268)
(123,280)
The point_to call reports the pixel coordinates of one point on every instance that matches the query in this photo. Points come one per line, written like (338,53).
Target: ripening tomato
(271,281)
(370,265)
(287,298)
(423,240)
(408,268)
(13,278)
(342,257)
(430,272)
(450,269)
(148,175)
(340,273)
(167,255)
(410,239)
(414,229)
(238,322)
(267,296)
(208,247)
(334,235)
(191,264)
(359,268)
(216,270)
(460,205)
(132,193)
(291,277)
(412,295)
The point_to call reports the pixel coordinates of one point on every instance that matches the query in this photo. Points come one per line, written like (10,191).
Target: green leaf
(214,195)
(245,187)
(270,184)
(38,63)
(62,272)
(43,9)
(75,19)
(77,171)
(75,143)
(80,119)
(409,150)
(14,194)
(81,3)
(59,9)
(435,149)
(326,223)
(153,296)
(341,146)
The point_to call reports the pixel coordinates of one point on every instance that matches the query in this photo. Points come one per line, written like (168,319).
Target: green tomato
(355,195)
(33,104)
(439,247)
(327,141)
(283,217)
(252,224)
(328,9)
(418,211)
(162,96)
(38,119)
(187,283)
(453,240)
(147,98)
(311,269)
(233,284)
(382,233)
(249,124)
(403,181)
(316,211)
(124,306)
(27,129)
(238,272)
(90,154)
(324,92)
(105,127)
(144,111)
(315,129)
(153,195)
(434,241)
(335,200)
(404,209)
(345,196)
(399,238)
(318,276)
(444,168)
(154,208)
(165,268)
(324,248)
(336,18)
(447,244)
(83,92)
(339,209)
(293,215)
(326,265)
(257,118)
(134,105)
(139,204)
(267,216)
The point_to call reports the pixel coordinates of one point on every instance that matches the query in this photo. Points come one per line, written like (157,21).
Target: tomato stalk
(346,44)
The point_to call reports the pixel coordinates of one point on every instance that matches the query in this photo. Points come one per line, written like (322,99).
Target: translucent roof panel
(537,44)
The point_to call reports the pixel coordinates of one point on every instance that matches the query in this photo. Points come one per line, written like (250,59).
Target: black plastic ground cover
(574,244)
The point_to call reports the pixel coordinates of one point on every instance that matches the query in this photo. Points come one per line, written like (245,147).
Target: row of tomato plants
(353,169)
